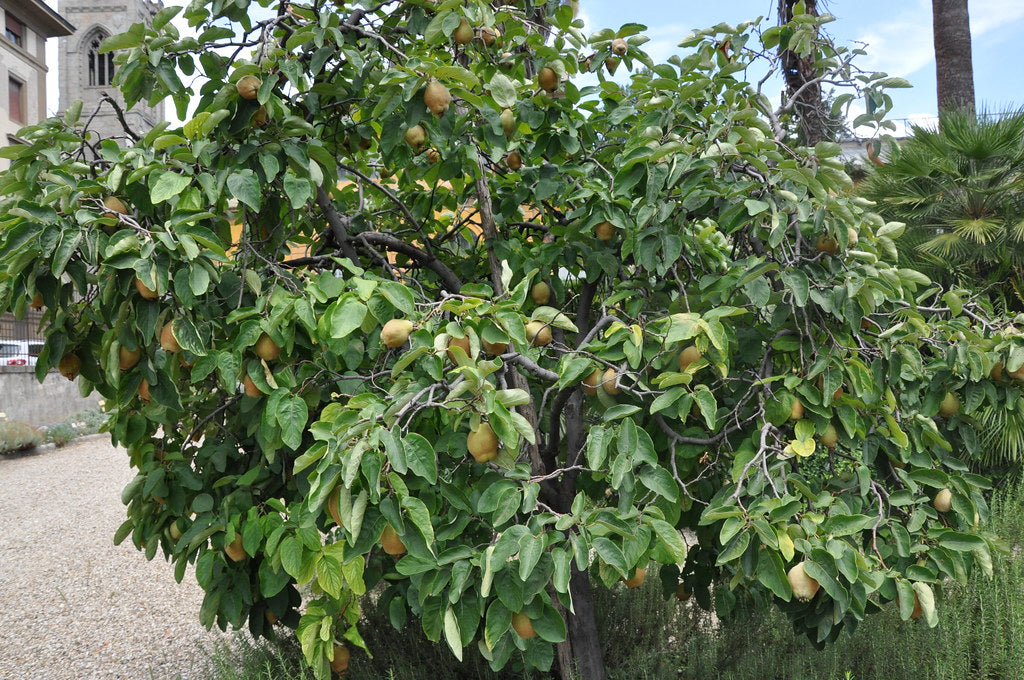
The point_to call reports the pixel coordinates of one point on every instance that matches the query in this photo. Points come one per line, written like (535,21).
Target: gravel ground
(73,606)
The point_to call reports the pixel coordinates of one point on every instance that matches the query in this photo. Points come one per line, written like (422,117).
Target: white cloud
(902,43)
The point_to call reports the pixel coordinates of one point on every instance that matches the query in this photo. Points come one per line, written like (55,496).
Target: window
(15,100)
(15,30)
(101,66)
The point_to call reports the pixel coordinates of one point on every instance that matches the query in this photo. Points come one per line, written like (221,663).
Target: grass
(980,637)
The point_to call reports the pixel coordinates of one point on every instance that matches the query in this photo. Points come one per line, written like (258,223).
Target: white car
(19,352)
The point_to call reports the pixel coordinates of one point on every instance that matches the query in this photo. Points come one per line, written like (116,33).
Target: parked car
(19,352)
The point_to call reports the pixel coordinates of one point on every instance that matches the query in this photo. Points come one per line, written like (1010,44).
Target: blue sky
(897,33)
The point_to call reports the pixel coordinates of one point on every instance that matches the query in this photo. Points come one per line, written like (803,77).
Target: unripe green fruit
(463,33)
(830,437)
(415,136)
(548,79)
(437,98)
(523,627)
(688,356)
(391,543)
(804,587)
(483,444)
(248,87)
(943,500)
(395,332)
(266,348)
(541,293)
(538,333)
(950,405)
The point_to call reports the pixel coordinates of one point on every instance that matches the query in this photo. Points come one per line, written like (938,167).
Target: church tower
(86,74)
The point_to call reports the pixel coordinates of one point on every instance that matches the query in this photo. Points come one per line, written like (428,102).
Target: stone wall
(54,400)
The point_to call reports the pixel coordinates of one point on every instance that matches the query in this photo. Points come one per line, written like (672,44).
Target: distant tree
(959,191)
(954,69)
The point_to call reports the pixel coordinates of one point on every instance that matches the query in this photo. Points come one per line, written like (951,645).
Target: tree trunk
(586,645)
(800,75)
(579,657)
(954,68)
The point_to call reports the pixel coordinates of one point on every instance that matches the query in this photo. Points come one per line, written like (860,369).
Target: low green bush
(646,637)
(82,423)
(15,436)
(245,659)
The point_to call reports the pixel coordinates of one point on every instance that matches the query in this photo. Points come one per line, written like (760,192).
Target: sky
(897,35)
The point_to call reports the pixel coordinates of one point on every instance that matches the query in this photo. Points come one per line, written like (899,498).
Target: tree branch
(337,223)
(448,278)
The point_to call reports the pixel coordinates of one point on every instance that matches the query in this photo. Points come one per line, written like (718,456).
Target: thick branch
(531,366)
(338,224)
(448,278)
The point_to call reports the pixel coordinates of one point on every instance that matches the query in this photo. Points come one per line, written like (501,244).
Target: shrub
(15,436)
(82,423)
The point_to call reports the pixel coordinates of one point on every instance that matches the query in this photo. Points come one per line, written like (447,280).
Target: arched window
(101,66)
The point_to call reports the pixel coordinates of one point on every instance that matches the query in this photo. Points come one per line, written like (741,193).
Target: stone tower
(86,74)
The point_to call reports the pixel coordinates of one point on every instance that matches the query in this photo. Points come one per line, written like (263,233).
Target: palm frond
(1002,436)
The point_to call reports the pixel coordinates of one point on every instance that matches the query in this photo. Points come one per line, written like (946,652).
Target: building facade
(26,25)
(86,75)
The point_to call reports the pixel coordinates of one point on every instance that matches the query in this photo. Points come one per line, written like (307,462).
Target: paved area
(72,605)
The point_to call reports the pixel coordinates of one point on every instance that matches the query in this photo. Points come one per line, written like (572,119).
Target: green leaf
(292,415)
(553,317)
(611,554)
(572,370)
(420,517)
(503,91)
(420,456)
(772,573)
(344,316)
(668,535)
(597,446)
(245,186)
(620,411)
(121,41)
(298,189)
(329,576)
(847,525)
(734,549)
(660,481)
(954,540)
(796,281)
(530,549)
(926,598)
(452,634)
(167,186)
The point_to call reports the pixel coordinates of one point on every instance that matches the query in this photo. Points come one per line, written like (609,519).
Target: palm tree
(954,70)
(960,190)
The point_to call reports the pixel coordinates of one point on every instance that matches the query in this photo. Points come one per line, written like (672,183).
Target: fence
(20,341)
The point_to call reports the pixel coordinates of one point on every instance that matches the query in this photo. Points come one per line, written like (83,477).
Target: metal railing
(20,340)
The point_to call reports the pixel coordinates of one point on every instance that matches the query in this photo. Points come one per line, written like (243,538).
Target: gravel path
(72,605)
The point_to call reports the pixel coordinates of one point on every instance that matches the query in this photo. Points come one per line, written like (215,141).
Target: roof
(41,18)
